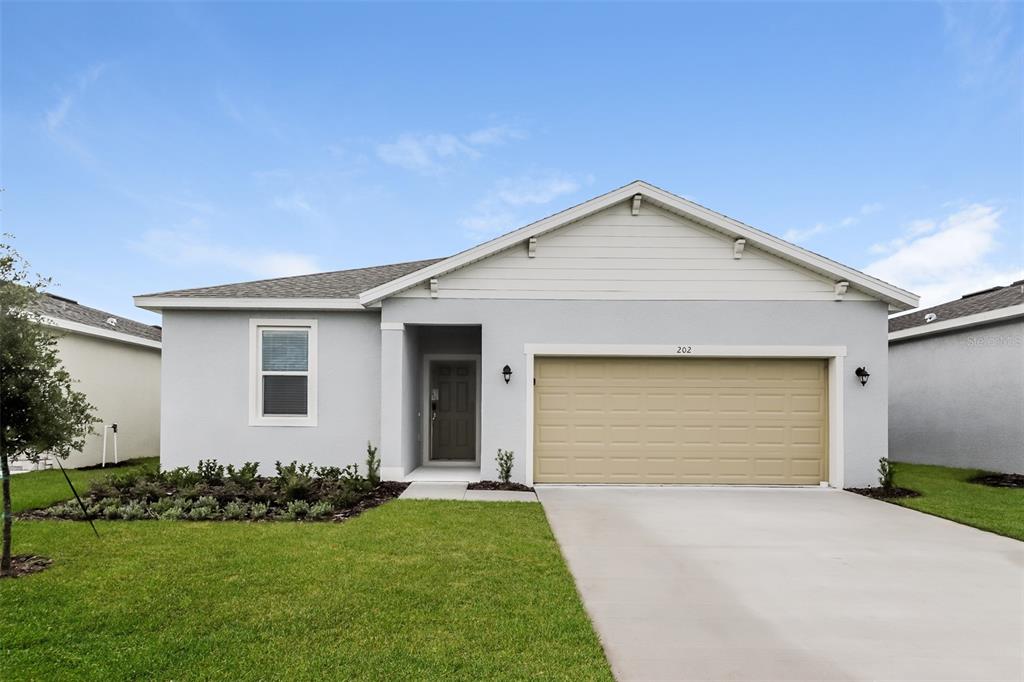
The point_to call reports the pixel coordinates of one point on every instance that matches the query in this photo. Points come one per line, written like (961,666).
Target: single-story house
(634,338)
(956,382)
(116,363)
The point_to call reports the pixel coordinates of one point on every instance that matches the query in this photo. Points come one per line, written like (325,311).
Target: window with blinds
(284,383)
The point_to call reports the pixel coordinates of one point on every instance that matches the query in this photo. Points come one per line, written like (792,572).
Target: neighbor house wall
(957,399)
(507,325)
(206,387)
(122,381)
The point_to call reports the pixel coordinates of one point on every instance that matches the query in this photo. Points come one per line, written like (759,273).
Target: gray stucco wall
(957,399)
(507,325)
(205,391)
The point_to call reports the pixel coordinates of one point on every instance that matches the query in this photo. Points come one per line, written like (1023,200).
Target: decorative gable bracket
(637,198)
(531,247)
(433,287)
(737,248)
(840,289)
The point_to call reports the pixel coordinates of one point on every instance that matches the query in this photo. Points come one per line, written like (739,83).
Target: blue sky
(157,146)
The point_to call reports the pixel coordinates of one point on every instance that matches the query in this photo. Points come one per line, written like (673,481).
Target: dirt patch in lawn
(26,564)
(497,485)
(1000,480)
(880,493)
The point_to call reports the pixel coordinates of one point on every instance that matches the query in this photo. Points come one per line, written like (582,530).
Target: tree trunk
(5,474)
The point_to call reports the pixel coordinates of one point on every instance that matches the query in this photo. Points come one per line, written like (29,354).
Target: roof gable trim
(897,298)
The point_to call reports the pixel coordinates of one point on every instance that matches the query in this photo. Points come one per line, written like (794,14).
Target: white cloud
(295,202)
(798,235)
(55,117)
(804,235)
(495,213)
(981,38)
(431,152)
(186,247)
(943,261)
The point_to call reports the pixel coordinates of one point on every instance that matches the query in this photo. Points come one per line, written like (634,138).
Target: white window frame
(256,417)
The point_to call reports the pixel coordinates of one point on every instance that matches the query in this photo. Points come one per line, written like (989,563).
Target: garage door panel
(670,420)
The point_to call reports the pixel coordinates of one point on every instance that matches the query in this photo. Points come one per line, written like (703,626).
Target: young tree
(40,412)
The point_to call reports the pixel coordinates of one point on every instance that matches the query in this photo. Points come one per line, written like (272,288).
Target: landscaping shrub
(372,464)
(216,492)
(505,459)
(885,474)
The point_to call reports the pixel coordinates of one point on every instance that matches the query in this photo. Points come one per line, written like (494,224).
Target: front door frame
(425,363)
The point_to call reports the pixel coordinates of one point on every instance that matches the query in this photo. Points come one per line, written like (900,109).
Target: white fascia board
(158,303)
(898,299)
(959,323)
(89,330)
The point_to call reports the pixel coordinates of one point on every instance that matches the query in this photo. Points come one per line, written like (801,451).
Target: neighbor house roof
(70,315)
(980,307)
(365,287)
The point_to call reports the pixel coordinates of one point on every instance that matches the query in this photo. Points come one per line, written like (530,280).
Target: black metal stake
(80,503)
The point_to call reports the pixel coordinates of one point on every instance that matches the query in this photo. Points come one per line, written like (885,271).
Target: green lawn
(42,488)
(945,492)
(409,590)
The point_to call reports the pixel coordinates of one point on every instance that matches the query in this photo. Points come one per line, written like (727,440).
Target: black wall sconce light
(506,372)
(862,374)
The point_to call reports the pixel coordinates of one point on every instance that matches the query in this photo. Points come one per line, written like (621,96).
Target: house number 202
(683,350)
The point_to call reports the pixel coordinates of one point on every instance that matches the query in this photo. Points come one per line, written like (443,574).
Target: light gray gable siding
(614,255)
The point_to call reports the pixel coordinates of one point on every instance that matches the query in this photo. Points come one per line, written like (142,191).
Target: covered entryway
(681,420)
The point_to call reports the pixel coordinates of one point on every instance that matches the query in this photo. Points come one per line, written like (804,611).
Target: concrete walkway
(440,490)
(770,584)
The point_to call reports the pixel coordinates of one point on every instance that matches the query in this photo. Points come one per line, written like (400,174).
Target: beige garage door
(680,420)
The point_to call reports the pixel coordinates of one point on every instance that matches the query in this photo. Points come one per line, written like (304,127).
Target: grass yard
(42,488)
(946,492)
(409,590)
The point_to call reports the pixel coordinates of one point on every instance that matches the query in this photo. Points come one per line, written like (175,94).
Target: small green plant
(199,513)
(297,510)
(259,510)
(320,510)
(112,512)
(210,471)
(295,481)
(245,476)
(505,460)
(133,511)
(885,473)
(372,465)
(181,477)
(234,511)
(206,501)
(162,505)
(173,513)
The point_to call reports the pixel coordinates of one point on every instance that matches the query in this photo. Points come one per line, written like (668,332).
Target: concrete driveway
(770,584)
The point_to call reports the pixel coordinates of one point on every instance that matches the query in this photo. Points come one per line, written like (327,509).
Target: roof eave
(108,334)
(160,303)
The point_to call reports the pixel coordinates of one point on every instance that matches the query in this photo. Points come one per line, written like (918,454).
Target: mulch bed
(385,490)
(885,493)
(1000,480)
(26,564)
(497,485)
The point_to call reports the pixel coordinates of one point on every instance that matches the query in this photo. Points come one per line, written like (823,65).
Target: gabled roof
(897,298)
(71,315)
(364,287)
(980,307)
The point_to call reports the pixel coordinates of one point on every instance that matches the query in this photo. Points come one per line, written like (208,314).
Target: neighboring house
(635,338)
(116,363)
(956,385)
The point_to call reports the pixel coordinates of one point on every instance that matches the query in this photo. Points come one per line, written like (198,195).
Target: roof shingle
(72,311)
(970,304)
(337,284)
